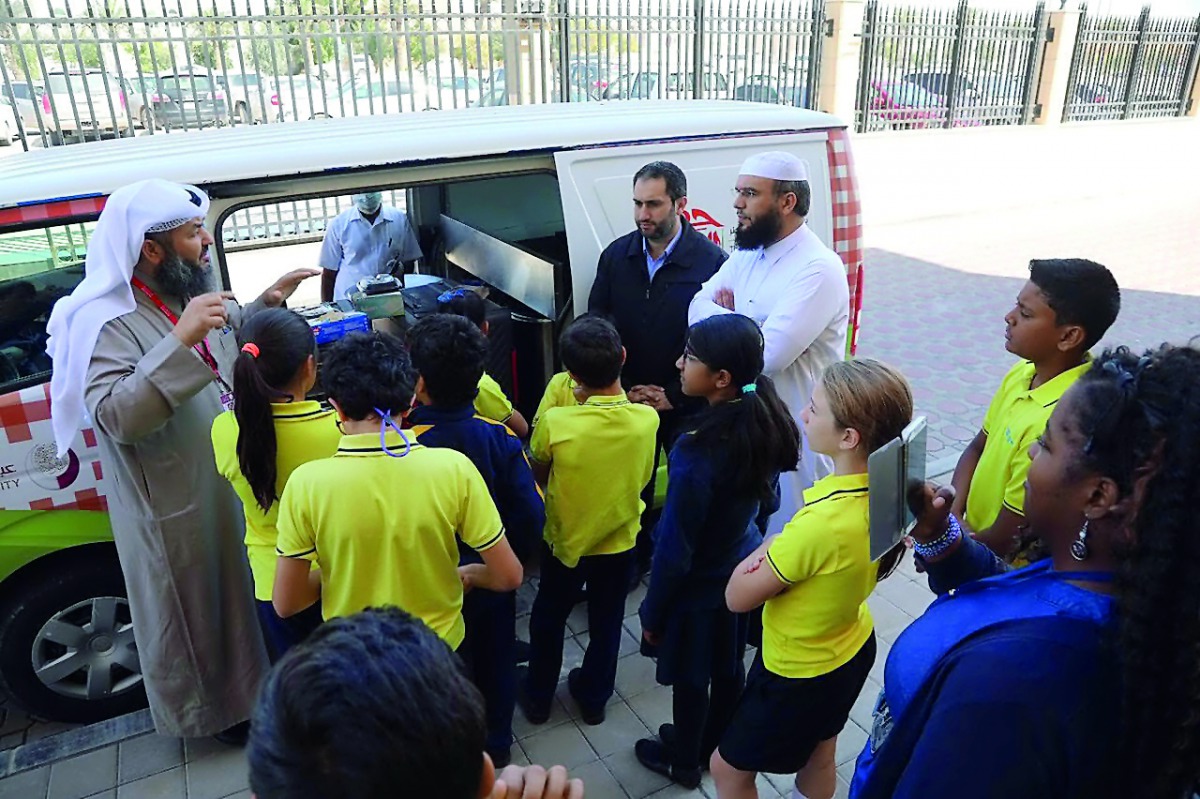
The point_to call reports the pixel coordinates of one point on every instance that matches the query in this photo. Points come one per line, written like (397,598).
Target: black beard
(660,233)
(761,233)
(181,279)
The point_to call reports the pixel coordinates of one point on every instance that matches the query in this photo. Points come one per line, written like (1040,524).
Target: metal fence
(1128,67)
(110,67)
(941,68)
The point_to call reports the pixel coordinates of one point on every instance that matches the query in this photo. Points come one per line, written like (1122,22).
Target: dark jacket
(500,457)
(651,316)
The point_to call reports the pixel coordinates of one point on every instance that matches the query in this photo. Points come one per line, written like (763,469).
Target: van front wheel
(67,651)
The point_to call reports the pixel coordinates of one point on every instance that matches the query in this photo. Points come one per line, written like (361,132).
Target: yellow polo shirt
(560,392)
(490,402)
(304,431)
(382,529)
(601,456)
(821,619)
(1014,420)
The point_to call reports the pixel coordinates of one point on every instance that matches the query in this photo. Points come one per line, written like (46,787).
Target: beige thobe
(177,523)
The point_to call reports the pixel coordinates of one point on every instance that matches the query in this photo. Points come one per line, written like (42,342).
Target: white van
(522,199)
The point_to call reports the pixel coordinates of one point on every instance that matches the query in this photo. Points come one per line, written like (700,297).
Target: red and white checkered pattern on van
(847,223)
(51,211)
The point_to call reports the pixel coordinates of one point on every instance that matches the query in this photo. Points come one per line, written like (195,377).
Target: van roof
(321,146)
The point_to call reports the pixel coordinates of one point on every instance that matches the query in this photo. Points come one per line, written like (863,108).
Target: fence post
(956,57)
(838,86)
(698,71)
(1135,63)
(1190,103)
(564,50)
(1061,35)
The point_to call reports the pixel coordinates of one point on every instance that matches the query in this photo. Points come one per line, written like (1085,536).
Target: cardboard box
(329,323)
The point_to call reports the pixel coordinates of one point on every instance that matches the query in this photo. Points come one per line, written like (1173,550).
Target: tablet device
(891,470)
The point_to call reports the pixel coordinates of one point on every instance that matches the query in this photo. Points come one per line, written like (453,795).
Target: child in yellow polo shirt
(1066,306)
(383,516)
(812,581)
(271,430)
(595,458)
(490,402)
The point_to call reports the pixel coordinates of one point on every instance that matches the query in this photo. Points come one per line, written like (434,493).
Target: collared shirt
(654,264)
(1015,418)
(356,248)
(560,391)
(601,456)
(824,556)
(304,431)
(383,529)
(796,290)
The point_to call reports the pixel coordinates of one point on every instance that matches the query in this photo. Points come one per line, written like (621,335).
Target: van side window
(37,268)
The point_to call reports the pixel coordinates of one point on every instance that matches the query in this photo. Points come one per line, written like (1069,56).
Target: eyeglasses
(746,194)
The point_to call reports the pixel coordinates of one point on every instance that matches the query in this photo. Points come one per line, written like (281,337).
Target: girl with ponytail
(272,430)
(724,484)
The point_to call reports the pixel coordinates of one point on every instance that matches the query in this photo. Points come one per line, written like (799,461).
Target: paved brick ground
(952,221)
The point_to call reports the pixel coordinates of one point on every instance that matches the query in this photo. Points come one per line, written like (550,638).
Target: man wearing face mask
(369,239)
(788,281)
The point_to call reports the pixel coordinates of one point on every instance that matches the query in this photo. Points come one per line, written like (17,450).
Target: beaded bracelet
(940,544)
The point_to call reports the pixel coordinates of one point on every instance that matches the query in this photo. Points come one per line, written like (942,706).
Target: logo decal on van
(48,470)
(703,222)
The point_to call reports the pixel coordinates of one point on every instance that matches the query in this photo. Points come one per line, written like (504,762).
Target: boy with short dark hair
(374,706)
(490,402)
(1067,305)
(382,518)
(448,353)
(595,458)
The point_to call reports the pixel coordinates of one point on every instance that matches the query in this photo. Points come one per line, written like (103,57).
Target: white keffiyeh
(105,293)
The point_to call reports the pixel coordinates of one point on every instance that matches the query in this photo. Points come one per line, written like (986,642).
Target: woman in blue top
(723,486)
(1078,676)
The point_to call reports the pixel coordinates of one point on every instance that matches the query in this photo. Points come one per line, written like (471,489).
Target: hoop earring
(1079,547)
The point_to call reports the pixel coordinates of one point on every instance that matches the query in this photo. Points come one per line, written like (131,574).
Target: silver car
(87,104)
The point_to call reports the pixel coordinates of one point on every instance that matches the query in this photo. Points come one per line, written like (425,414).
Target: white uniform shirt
(796,291)
(356,248)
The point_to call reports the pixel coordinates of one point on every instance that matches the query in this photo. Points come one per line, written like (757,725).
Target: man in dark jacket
(644,283)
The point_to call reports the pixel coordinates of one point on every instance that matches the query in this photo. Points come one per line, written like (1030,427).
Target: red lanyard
(201,349)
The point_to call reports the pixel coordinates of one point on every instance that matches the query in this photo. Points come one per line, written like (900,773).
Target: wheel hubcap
(88,651)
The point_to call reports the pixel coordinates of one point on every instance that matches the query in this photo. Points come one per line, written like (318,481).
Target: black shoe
(535,712)
(521,652)
(237,735)
(655,756)
(500,757)
(666,734)
(589,715)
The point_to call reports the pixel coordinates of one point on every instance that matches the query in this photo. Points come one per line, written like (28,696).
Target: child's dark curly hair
(1142,419)
(365,372)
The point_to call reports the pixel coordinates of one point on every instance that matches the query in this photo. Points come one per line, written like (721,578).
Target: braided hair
(1141,417)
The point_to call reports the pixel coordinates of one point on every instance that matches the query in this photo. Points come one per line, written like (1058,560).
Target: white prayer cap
(149,206)
(776,165)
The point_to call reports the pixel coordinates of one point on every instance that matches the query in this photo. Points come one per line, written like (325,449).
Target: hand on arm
(751,584)
(500,570)
(705,304)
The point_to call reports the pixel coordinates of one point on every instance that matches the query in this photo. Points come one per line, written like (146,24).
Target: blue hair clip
(385,422)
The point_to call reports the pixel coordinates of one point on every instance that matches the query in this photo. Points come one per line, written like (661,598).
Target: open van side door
(597,188)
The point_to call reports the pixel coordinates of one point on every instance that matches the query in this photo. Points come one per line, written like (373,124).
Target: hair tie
(251,348)
(750,388)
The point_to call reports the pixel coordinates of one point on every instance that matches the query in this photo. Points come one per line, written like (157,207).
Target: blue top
(499,456)
(704,532)
(654,264)
(1003,687)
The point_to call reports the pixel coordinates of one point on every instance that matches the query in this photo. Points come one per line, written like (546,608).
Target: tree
(213,38)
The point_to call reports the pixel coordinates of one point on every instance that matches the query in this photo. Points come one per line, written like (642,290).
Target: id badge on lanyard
(201,349)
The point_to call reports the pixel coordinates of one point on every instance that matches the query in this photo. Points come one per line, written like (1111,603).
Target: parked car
(455,90)
(83,104)
(678,85)
(938,84)
(365,96)
(901,104)
(1092,93)
(589,78)
(26,96)
(185,100)
(768,89)
(306,96)
(252,98)
(10,129)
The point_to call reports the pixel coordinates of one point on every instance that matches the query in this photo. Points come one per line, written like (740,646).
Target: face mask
(368,203)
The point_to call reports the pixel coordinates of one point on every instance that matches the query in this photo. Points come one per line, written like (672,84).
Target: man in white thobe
(784,278)
(147,347)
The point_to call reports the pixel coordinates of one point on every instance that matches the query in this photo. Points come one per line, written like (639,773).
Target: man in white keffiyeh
(146,347)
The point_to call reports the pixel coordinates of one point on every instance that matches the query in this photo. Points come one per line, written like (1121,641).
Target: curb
(64,745)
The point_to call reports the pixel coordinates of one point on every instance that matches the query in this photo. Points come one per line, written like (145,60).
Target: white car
(363,96)
(253,99)
(9,129)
